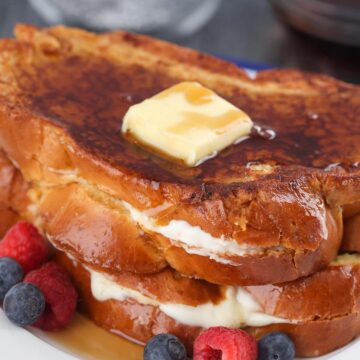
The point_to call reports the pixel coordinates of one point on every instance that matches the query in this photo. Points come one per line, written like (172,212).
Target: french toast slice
(320,313)
(102,233)
(278,203)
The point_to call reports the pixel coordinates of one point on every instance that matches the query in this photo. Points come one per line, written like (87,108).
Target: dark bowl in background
(333,20)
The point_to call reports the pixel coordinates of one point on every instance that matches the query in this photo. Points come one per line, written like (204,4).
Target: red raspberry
(60,295)
(220,343)
(24,244)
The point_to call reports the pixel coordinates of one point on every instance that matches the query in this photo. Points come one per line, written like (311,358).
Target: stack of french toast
(264,236)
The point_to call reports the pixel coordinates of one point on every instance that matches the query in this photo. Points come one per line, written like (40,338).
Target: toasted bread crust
(307,300)
(8,218)
(254,269)
(63,93)
(304,300)
(99,234)
(13,198)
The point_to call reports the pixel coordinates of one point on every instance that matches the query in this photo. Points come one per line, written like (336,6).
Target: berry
(60,295)
(11,273)
(220,343)
(276,345)
(165,347)
(24,304)
(24,244)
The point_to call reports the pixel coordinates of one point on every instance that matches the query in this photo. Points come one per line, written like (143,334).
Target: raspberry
(220,343)
(60,295)
(24,244)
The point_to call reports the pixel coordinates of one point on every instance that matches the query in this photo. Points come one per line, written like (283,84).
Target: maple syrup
(264,132)
(199,95)
(195,95)
(219,124)
(87,341)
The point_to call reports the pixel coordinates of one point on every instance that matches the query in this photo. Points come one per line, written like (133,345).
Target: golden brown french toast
(320,313)
(272,209)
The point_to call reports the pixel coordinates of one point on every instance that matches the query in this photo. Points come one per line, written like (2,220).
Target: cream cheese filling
(237,309)
(193,239)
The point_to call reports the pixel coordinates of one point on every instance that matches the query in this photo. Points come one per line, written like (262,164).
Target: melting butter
(186,122)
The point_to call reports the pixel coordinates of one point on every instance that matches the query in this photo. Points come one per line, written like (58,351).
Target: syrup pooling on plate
(85,340)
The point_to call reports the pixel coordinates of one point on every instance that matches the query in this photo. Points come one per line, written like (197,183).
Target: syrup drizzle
(195,95)
(262,131)
(198,95)
(219,124)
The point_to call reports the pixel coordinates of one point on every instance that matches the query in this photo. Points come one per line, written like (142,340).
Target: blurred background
(314,35)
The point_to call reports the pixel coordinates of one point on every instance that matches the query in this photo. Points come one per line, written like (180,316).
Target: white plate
(17,343)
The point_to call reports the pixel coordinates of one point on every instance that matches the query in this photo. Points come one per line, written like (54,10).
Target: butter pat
(186,122)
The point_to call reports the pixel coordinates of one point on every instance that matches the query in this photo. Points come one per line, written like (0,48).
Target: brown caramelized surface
(64,92)
(89,96)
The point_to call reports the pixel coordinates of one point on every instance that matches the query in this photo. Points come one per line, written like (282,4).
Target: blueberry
(165,347)
(11,273)
(276,346)
(24,303)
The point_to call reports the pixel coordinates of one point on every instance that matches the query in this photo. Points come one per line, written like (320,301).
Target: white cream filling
(193,239)
(238,309)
